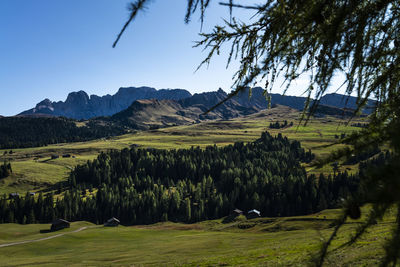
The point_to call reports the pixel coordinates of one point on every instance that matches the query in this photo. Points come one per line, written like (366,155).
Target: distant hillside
(347,102)
(17,132)
(150,114)
(259,101)
(79,105)
(334,111)
(147,114)
(205,101)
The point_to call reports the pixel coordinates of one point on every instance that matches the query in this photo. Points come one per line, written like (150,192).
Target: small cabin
(236,212)
(59,224)
(251,214)
(112,222)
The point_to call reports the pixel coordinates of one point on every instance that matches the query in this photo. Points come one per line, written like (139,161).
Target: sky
(49,48)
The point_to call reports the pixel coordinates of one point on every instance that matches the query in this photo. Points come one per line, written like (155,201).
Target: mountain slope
(344,101)
(151,113)
(205,101)
(79,105)
(259,101)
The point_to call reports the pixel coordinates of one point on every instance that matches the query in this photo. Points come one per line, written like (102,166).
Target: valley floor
(258,242)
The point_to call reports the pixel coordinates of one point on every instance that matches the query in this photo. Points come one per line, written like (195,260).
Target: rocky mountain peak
(77,98)
(45,102)
(220,91)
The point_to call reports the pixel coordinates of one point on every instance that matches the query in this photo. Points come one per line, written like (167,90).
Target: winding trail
(41,239)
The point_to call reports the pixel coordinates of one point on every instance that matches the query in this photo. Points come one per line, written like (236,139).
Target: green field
(257,242)
(34,170)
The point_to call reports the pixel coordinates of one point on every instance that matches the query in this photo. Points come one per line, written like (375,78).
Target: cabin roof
(254,211)
(59,221)
(113,219)
(237,211)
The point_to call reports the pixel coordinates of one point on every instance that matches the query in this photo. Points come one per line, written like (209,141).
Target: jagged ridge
(79,105)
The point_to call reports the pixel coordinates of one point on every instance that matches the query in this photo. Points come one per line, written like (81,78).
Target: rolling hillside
(257,242)
(146,114)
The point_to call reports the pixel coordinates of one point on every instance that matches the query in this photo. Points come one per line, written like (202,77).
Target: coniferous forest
(20,132)
(141,186)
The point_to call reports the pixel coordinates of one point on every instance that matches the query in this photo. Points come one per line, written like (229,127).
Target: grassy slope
(270,242)
(31,173)
(10,232)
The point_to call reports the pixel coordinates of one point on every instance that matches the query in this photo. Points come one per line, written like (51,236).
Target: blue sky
(49,48)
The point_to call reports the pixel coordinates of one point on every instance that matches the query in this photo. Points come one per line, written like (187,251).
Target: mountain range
(79,105)
(178,104)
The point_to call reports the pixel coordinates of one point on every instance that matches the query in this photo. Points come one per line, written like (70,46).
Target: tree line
(21,132)
(278,125)
(141,186)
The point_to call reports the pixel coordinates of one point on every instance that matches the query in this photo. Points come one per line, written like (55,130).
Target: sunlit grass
(268,242)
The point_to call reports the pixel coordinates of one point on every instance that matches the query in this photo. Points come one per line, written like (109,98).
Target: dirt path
(41,239)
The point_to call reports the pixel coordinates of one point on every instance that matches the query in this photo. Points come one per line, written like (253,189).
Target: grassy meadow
(257,242)
(34,170)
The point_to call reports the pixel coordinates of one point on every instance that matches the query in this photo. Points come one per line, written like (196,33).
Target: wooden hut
(253,214)
(112,222)
(59,224)
(236,212)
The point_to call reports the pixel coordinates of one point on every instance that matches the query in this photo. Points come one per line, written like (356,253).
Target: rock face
(259,101)
(79,105)
(201,103)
